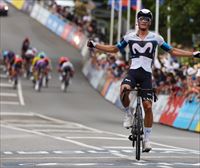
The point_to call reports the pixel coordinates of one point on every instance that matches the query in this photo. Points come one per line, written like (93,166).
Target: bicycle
(137,128)
(41,80)
(65,80)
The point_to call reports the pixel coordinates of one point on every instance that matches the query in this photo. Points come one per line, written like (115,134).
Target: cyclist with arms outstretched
(142,46)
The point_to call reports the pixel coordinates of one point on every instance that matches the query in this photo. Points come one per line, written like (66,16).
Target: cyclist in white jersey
(142,46)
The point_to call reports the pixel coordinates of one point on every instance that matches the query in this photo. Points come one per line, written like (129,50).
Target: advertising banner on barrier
(53,23)
(110,93)
(76,39)
(85,51)
(102,82)
(60,27)
(86,68)
(116,91)
(159,106)
(171,110)
(43,16)
(28,6)
(106,86)
(18,3)
(186,114)
(35,11)
(49,23)
(96,77)
(113,92)
(67,30)
(195,124)
(70,36)
(118,103)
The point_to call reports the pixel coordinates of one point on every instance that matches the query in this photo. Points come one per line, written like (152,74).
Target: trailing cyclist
(28,58)
(17,70)
(25,46)
(38,57)
(142,45)
(41,71)
(9,61)
(66,70)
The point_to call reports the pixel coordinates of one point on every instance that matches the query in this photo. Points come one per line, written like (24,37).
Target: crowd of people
(84,22)
(168,77)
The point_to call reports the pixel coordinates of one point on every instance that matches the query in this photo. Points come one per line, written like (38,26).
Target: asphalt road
(74,129)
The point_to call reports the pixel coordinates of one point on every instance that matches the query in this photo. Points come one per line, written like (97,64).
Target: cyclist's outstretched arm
(181,53)
(102,47)
(107,48)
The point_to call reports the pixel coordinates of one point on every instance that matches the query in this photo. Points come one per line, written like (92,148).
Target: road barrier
(172,110)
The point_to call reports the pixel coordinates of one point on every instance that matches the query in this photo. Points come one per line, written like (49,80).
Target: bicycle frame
(138,125)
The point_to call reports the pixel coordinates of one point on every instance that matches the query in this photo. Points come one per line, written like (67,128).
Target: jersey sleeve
(123,43)
(166,47)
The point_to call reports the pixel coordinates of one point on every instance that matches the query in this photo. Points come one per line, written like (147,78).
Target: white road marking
(118,147)
(100,148)
(47,164)
(54,137)
(21,98)
(64,122)
(108,138)
(8,153)
(111,133)
(99,152)
(196,164)
(121,135)
(67,152)
(165,166)
(39,158)
(8,94)
(63,130)
(85,164)
(5,85)
(3,76)
(17,113)
(9,103)
(138,163)
(32,152)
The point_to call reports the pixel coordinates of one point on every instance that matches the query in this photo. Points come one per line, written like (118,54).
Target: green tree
(185,19)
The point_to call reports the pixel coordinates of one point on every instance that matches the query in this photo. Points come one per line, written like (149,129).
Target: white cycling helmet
(145,13)
(29,52)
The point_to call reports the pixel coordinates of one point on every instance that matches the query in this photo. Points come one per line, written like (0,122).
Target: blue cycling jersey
(143,50)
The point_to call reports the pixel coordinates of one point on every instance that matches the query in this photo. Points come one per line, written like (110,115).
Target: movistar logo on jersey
(136,48)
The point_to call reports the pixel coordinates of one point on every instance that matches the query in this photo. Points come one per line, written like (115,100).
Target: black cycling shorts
(141,77)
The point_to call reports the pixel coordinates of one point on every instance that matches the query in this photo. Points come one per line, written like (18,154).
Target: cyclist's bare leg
(124,96)
(148,120)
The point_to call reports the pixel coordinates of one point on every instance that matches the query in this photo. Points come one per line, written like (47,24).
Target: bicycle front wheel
(138,132)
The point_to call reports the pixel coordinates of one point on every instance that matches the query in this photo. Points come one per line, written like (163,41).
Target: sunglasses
(143,18)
